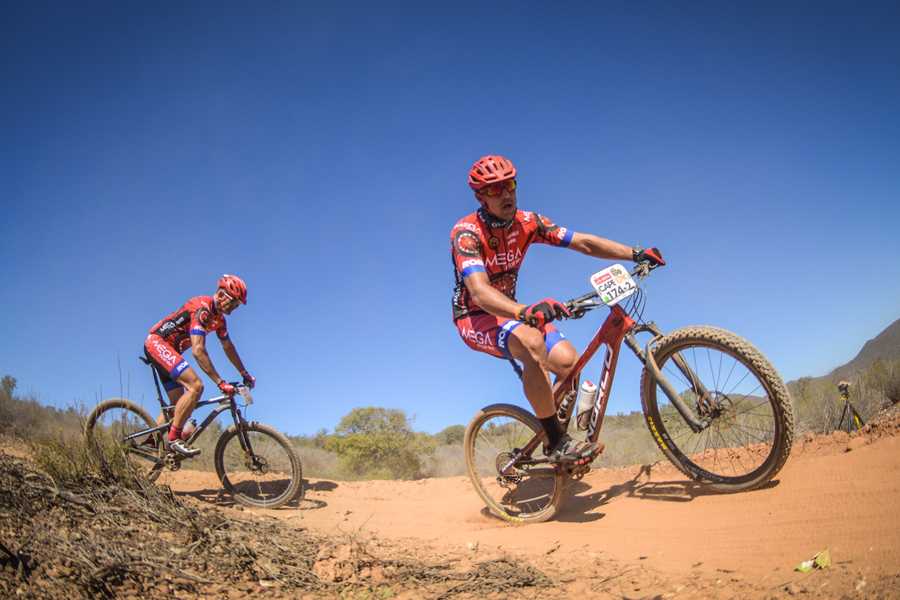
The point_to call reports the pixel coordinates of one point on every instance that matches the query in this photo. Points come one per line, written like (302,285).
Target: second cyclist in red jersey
(488,247)
(186,329)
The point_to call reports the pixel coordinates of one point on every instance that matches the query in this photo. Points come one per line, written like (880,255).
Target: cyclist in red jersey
(184,329)
(488,247)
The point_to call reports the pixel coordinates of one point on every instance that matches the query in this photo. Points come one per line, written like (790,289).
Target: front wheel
(746,407)
(504,473)
(258,466)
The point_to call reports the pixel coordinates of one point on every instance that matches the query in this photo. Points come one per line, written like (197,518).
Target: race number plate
(613,284)
(245,392)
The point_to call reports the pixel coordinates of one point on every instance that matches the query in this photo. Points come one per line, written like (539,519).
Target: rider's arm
(198,349)
(489,298)
(599,247)
(231,353)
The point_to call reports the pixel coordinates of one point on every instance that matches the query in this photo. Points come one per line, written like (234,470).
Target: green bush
(450,436)
(375,442)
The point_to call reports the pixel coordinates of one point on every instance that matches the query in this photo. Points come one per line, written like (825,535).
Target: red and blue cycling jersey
(481,243)
(172,335)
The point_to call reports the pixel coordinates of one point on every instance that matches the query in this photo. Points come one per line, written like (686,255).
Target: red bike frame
(611,333)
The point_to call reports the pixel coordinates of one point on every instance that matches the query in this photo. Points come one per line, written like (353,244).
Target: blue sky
(320,152)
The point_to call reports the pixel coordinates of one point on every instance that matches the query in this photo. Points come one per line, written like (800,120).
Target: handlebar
(579,306)
(238,387)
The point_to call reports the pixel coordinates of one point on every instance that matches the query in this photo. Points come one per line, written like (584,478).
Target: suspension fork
(241,425)
(646,357)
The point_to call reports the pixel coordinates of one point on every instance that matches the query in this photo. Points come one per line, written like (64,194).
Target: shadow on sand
(220,497)
(578,508)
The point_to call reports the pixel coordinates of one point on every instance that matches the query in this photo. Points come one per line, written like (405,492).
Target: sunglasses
(226,297)
(496,189)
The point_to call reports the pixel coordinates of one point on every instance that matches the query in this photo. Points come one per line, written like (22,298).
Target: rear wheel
(259,468)
(112,424)
(513,488)
(750,420)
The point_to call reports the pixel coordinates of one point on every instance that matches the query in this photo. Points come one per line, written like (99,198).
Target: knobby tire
(151,469)
(479,467)
(670,438)
(242,492)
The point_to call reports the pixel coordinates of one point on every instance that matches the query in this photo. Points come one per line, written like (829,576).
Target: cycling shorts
(169,364)
(486,333)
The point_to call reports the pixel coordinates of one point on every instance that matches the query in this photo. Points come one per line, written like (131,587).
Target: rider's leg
(527,345)
(174,395)
(561,358)
(530,347)
(184,406)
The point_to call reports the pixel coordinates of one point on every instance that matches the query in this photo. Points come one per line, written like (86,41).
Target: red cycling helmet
(490,169)
(234,286)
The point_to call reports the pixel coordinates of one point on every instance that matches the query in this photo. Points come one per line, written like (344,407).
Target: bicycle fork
(646,356)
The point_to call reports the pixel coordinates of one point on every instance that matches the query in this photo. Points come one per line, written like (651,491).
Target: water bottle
(587,396)
(188,429)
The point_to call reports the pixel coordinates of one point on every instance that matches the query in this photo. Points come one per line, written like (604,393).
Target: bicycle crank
(172,461)
(507,474)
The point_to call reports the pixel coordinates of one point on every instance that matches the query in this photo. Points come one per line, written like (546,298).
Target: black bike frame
(225,403)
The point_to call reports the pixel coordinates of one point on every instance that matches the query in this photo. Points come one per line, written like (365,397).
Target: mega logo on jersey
(505,260)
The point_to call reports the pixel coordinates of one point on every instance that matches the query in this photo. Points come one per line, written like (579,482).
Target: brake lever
(578,309)
(642,270)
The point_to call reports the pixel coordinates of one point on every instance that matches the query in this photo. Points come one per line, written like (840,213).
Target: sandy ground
(836,492)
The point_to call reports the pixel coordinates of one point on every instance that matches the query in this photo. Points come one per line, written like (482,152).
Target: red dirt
(643,524)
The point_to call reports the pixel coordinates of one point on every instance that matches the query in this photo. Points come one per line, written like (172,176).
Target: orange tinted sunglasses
(495,189)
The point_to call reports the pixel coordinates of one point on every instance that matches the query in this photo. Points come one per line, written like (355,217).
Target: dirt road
(835,492)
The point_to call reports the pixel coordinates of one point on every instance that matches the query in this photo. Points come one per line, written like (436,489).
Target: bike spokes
(729,397)
(511,478)
(119,426)
(262,474)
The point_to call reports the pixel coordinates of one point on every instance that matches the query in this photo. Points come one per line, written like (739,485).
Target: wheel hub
(257,464)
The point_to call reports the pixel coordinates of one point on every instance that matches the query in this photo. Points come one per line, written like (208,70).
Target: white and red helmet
(490,169)
(234,286)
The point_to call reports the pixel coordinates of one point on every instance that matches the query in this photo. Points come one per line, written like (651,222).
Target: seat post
(159,395)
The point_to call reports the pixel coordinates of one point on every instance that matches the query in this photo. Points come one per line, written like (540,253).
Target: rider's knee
(532,342)
(194,388)
(564,357)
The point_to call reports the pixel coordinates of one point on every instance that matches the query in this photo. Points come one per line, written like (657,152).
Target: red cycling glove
(650,255)
(226,388)
(249,380)
(541,313)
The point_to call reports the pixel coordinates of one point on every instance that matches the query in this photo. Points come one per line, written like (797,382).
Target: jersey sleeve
(201,320)
(548,232)
(466,249)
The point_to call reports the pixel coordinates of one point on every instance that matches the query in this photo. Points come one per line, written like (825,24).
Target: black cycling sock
(552,429)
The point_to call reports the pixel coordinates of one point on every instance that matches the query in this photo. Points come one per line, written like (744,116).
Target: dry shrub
(81,527)
(319,463)
(446,461)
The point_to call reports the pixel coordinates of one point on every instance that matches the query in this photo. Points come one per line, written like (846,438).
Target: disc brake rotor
(257,464)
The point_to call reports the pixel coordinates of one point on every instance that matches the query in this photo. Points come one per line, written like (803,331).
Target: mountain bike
(255,463)
(850,419)
(713,404)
